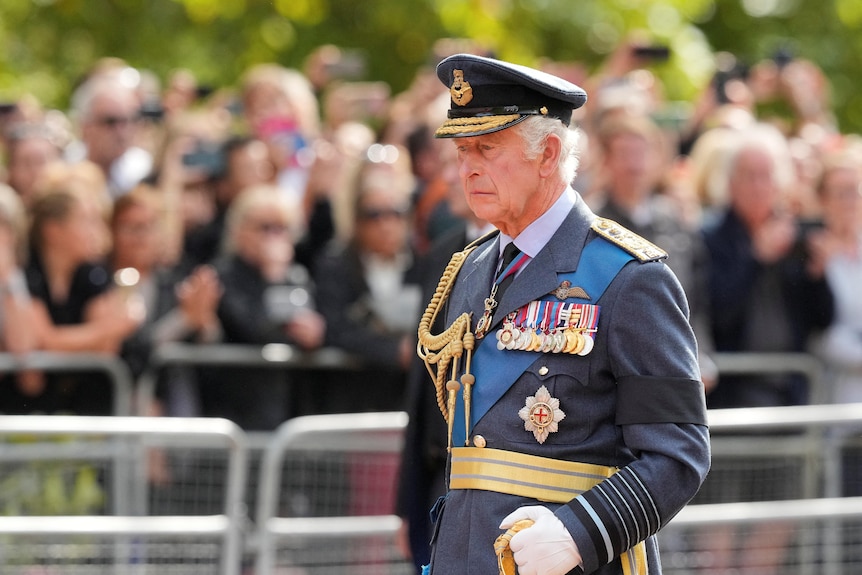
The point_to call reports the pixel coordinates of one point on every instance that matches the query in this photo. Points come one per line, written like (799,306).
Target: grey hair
(83,97)
(536,129)
(251,198)
(760,136)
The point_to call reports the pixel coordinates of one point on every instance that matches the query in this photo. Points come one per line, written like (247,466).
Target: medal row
(573,341)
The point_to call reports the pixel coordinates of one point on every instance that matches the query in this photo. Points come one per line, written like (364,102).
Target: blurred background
(49,44)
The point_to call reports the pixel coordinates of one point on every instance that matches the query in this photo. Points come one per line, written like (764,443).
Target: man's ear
(550,156)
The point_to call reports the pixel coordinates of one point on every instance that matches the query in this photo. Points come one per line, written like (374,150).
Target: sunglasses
(115,121)
(271,228)
(377,214)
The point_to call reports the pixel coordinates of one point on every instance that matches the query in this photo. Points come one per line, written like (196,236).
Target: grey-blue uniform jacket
(635,403)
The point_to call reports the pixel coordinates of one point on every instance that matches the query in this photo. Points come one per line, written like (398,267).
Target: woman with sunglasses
(266,298)
(368,286)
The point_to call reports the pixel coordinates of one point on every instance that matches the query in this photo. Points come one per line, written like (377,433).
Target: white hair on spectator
(84,96)
(267,196)
(762,137)
(536,129)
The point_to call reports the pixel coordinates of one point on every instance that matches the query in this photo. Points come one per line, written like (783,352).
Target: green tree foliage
(48,44)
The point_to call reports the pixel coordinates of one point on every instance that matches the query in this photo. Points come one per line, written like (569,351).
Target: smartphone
(782,57)
(152,110)
(350,65)
(282,303)
(656,53)
(206,156)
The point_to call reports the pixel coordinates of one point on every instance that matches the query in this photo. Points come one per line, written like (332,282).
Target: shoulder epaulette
(644,250)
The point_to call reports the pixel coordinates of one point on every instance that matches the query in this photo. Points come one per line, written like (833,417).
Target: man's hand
(546,548)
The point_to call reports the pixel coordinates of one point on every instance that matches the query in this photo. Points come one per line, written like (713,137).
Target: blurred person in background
(76,308)
(177,308)
(30,147)
(107,109)
(279,107)
(189,166)
(18,333)
(765,297)
(633,158)
(336,159)
(368,285)
(237,164)
(181,92)
(837,249)
(266,298)
(837,252)
(433,216)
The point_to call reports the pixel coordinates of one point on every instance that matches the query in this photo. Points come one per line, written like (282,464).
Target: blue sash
(497,370)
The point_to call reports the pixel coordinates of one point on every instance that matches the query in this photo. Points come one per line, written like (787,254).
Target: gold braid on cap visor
(474,124)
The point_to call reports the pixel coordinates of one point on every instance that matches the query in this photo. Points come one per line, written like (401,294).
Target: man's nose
(467,166)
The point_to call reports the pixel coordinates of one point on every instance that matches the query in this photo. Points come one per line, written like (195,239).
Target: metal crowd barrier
(822,537)
(805,364)
(793,518)
(112,366)
(270,356)
(327,494)
(117,537)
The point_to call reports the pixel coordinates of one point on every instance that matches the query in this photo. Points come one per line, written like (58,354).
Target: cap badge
(461,90)
(541,414)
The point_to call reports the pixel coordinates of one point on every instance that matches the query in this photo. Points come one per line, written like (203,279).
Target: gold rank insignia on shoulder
(643,249)
(461,90)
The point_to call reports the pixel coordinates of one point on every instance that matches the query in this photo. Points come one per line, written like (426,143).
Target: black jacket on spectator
(343,298)
(804,304)
(253,398)
(72,393)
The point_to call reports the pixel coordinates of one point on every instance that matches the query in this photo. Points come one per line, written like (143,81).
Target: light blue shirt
(537,235)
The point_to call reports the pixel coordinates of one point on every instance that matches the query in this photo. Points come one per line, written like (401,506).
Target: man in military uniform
(568,374)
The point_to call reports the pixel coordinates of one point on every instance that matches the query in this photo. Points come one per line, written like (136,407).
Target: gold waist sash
(540,478)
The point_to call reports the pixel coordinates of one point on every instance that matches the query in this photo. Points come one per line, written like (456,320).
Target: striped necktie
(510,252)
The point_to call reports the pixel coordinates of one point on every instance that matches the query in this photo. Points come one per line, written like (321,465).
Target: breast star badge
(541,414)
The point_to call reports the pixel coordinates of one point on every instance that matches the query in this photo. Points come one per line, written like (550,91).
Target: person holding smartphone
(266,298)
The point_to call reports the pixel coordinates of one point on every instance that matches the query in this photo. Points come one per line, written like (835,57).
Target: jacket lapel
(560,255)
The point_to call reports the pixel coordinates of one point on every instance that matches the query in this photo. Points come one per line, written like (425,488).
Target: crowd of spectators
(220,203)
(303,208)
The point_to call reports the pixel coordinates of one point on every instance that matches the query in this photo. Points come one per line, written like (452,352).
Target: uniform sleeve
(661,416)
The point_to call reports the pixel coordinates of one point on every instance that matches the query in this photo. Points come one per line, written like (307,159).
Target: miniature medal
(541,414)
(506,334)
(588,344)
(485,321)
(559,341)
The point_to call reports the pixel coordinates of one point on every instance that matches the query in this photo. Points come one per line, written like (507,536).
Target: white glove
(546,547)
